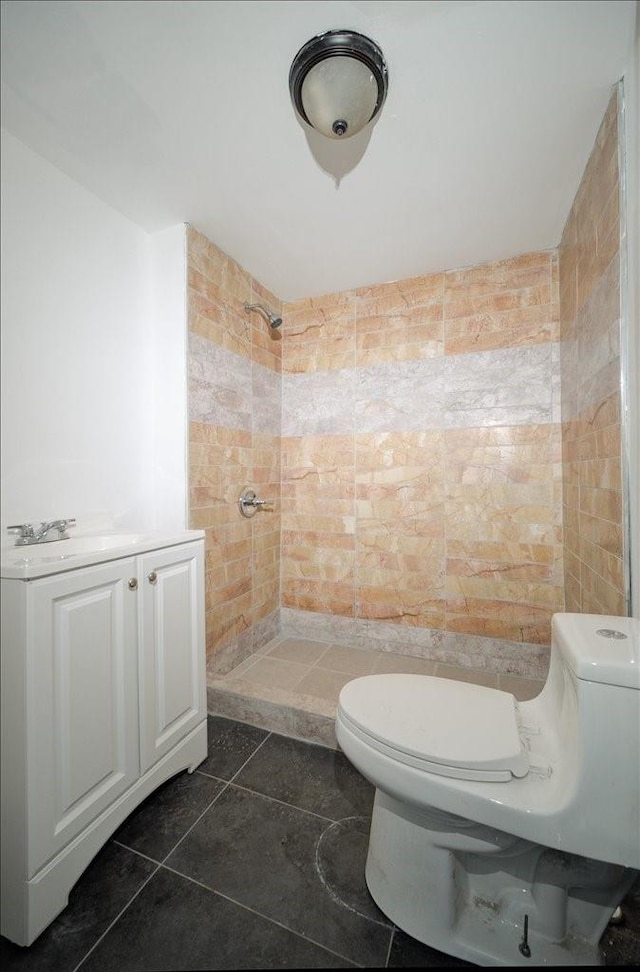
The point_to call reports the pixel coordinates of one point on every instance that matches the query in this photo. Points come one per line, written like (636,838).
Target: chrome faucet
(29,533)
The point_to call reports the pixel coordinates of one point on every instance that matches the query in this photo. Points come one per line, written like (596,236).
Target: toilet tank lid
(600,647)
(440,720)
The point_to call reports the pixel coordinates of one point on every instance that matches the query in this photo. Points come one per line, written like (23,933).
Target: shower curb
(275,711)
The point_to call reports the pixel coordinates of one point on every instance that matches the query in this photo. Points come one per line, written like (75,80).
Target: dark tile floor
(255,861)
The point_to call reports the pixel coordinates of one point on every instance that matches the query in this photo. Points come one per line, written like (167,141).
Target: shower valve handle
(249,502)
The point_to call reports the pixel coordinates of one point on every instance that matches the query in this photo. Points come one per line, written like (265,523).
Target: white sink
(41,559)
(77,545)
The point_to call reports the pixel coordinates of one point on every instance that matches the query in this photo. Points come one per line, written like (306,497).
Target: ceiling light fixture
(338,82)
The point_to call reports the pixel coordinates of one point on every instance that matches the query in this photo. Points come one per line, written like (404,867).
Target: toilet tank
(599,648)
(600,656)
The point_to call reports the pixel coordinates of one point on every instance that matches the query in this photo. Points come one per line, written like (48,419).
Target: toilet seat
(438,725)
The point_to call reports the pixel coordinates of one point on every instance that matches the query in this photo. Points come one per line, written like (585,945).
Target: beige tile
(486,332)
(324,598)
(275,673)
(269,711)
(353,661)
(517,273)
(395,297)
(467,675)
(522,688)
(388,663)
(298,650)
(240,669)
(323,684)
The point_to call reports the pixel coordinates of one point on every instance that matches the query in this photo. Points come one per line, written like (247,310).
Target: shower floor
(291,685)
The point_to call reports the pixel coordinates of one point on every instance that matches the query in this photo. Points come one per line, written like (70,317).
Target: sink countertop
(42,559)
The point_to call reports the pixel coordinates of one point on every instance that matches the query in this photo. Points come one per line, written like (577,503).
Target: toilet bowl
(505,832)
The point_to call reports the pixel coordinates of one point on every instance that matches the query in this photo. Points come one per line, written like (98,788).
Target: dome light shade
(338,82)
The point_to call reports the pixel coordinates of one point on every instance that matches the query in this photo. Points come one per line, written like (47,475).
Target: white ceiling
(180,112)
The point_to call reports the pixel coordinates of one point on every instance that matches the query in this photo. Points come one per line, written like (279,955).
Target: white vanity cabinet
(103,698)
(172,654)
(81,691)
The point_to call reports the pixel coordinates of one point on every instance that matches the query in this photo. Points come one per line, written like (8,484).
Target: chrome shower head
(272,319)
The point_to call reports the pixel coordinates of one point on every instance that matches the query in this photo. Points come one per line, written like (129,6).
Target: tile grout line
(225,785)
(152,860)
(317,665)
(153,873)
(205,887)
(258,747)
(391,940)
(196,821)
(317,668)
(133,850)
(259,914)
(283,803)
(311,813)
(120,913)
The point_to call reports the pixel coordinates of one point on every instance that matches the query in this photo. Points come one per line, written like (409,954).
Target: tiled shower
(442,454)
(591,265)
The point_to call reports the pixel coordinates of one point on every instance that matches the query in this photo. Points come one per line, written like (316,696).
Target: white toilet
(505,832)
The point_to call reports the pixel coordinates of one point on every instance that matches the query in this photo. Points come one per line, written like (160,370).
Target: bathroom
(411,509)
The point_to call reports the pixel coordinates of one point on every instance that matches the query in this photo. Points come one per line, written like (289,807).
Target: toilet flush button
(611,633)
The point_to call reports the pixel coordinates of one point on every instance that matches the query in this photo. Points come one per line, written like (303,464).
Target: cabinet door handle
(153,577)
(133,584)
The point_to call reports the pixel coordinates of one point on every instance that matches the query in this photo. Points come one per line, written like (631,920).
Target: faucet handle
(66,523)
(60,526)
(22,529)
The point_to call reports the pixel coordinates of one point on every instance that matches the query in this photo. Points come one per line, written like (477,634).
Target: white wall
(82,399)
(169,375)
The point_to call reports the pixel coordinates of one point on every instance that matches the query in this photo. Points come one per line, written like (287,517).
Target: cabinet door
(82,713)
(172,659)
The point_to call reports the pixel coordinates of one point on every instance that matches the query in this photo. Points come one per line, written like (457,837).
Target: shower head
(272,319)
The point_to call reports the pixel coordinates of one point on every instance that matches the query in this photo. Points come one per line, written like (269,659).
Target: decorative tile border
(496,655)
(507,386)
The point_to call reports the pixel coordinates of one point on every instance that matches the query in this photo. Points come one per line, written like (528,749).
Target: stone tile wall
(421,451)
(595,544)
(234,441)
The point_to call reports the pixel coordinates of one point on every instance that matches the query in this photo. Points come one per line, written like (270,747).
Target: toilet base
(465,889)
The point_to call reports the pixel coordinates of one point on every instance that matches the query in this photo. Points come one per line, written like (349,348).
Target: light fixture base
(330,102)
